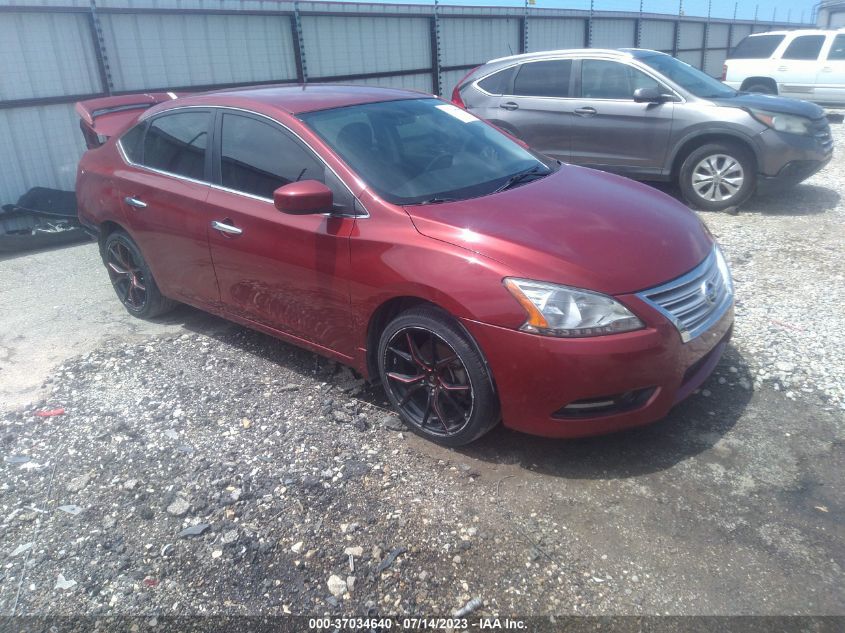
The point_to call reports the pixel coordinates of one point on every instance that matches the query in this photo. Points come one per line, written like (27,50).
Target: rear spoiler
(105,116)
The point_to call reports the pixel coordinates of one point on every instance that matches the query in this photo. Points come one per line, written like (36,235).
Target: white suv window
(837,50)
(804,47)
(756,47)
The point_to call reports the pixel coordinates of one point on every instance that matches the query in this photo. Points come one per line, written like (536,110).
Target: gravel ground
(786,254)
(301,494)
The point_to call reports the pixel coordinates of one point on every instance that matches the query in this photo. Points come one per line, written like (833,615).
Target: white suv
(805,64)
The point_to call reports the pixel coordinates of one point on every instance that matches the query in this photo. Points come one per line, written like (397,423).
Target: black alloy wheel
(126,276)
(430,382)
(131,277)
(436,379)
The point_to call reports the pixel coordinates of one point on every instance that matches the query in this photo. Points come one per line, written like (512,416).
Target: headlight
(555,310)
(722,263)
(788,123)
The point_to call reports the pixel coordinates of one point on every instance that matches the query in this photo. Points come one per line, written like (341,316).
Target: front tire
(436,378)
(761,88)
(131,278)
(717,176)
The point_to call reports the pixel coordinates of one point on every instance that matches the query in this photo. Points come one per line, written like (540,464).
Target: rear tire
(717,176)
(131,278)
(436,378)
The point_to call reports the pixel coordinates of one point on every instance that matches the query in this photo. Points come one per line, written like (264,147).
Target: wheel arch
(768,81)
(690,144)
(107,227)
(389,309)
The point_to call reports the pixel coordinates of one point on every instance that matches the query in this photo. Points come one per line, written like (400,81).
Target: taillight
(456,92)
(724,71)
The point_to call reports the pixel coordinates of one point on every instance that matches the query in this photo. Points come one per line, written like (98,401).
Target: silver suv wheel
(718,178)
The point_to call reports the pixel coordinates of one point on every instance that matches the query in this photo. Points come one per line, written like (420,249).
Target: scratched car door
(286,272)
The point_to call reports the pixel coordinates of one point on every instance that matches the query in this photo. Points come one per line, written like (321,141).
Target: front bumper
(791,174)
(787,159)
(537,376)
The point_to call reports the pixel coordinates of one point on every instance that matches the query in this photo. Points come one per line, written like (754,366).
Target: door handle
(588,111)
(782,68)
(226,228)
(509,105)
(134,202)
(827,69)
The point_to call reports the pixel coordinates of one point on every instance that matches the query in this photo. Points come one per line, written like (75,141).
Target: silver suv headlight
(555,310)
(789,123)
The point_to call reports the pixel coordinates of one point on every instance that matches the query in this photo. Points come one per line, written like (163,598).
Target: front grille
(821,131)
(695,301)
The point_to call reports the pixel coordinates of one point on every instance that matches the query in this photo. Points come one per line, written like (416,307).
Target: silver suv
(649,116)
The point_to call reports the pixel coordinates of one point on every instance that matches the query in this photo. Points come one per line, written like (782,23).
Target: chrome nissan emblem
(708,289)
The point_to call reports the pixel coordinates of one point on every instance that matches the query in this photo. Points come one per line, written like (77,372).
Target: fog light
(605,405)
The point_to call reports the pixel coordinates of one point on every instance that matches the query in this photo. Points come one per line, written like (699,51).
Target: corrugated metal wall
(554,33)
(55,52)
(161,50)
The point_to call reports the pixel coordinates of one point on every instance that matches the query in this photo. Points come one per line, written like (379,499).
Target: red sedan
(395,232)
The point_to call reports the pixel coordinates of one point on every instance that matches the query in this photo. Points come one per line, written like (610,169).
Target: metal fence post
(523,31)
(588,35)
(434,35)
(638,27)
(731,29)
(100,49)
(299,46)
(705,40)
(676,44)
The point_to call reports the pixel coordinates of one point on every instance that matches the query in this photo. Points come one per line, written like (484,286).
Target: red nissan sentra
(399,234)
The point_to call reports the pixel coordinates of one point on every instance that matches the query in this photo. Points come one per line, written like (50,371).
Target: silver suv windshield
(689,78)
(425,151)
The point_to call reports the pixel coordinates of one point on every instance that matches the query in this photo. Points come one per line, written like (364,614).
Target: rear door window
(756,47)
(176,143)
(544,79)
(602,79)
(804,47)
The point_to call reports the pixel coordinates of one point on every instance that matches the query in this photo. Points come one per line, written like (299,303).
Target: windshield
(424,150)
(687,77)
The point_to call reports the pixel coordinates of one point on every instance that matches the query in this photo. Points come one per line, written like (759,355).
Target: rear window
(498,83)
(756,47)
(804,47)
(543,79)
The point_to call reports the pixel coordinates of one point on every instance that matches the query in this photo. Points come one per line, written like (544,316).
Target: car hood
(578,227)
(772,104)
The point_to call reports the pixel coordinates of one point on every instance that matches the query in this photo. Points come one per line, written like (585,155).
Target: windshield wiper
(436,200)
(519,177)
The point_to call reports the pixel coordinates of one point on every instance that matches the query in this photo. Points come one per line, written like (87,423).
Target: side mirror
(303,198)
(651,95)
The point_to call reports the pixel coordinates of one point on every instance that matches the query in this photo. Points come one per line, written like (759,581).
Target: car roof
(293,99)
(798,32)
(603,52)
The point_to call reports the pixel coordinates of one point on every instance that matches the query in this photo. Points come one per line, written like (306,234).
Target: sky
(781,10)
